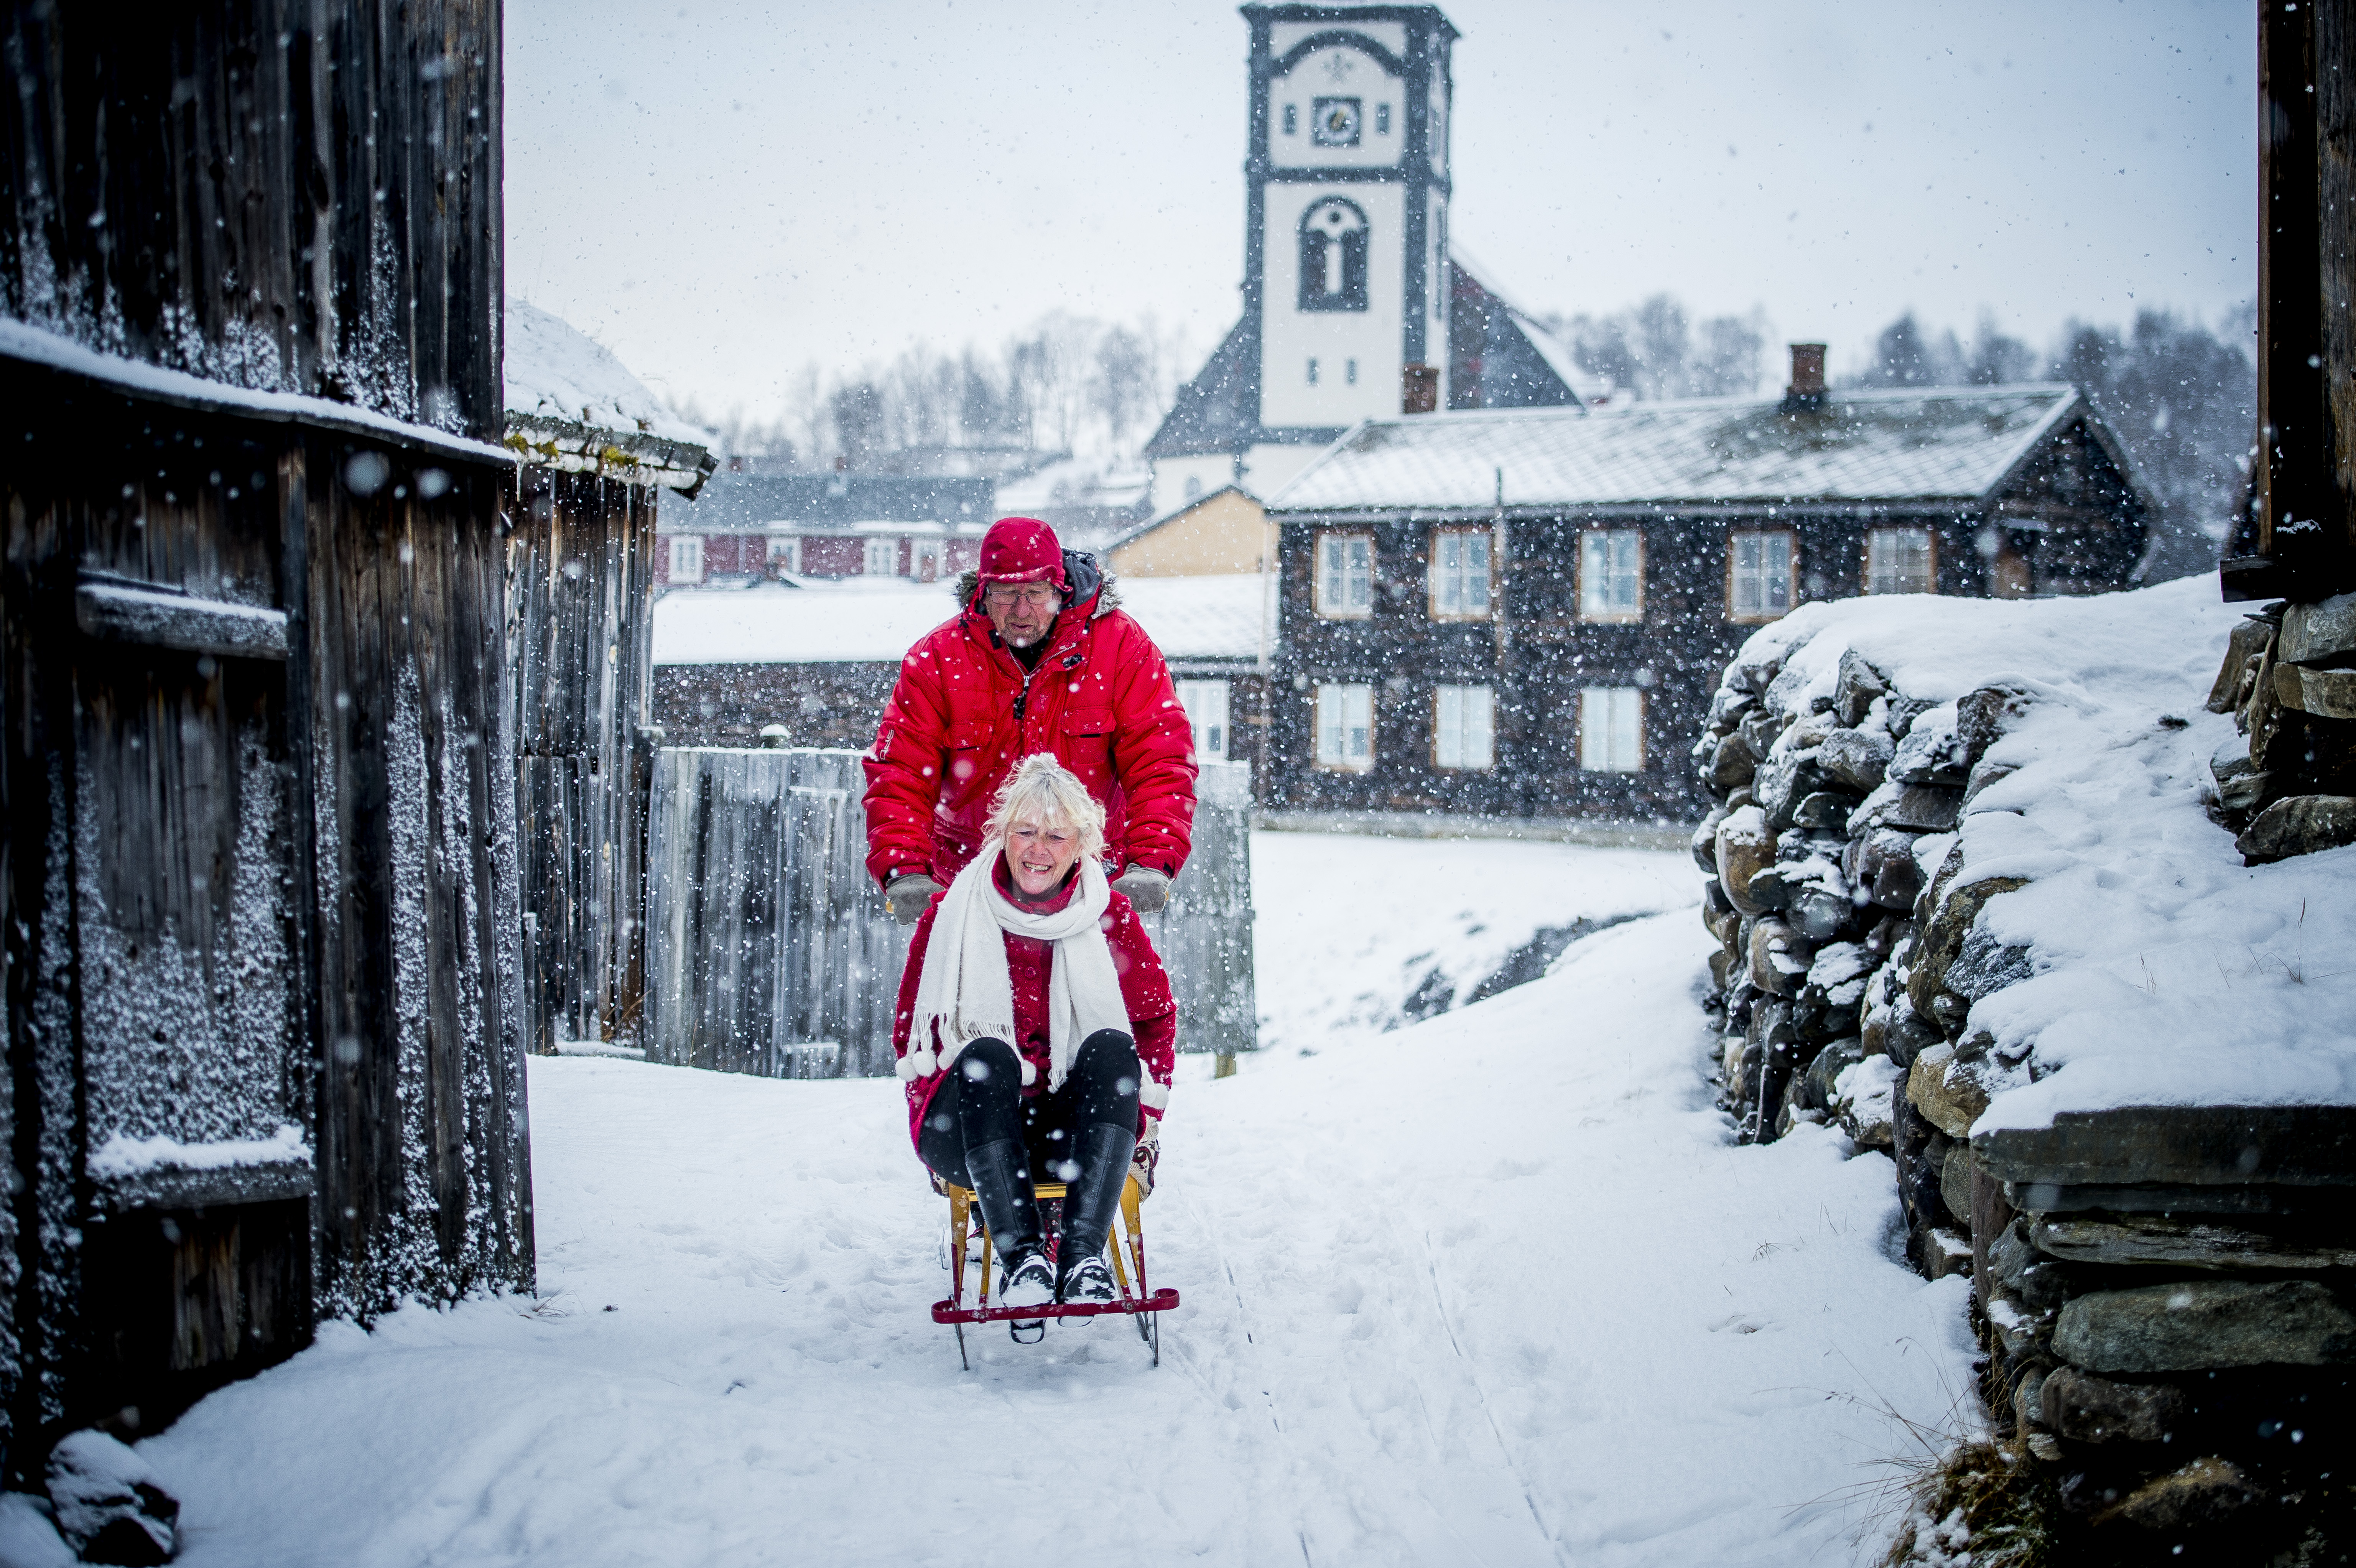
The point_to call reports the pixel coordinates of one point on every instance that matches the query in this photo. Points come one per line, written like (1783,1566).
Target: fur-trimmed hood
(1080,569)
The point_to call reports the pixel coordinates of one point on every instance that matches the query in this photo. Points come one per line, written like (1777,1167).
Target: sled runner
(1127,1238)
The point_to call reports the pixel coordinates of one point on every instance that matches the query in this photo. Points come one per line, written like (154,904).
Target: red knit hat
(1021,550)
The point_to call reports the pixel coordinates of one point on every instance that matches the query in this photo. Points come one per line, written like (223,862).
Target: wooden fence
(770,949)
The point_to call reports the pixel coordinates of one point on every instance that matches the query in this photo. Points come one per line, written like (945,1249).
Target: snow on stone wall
(1979,900)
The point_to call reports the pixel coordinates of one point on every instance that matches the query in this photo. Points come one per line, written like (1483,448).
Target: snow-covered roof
(570,404)
(857,620)
(1902,446)
(834,503)
(37,346)
(1074,482)
(1226,617)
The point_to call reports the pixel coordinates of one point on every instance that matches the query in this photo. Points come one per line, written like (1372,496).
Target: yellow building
(1214,535)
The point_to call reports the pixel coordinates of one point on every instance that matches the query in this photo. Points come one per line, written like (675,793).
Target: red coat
(1100,698)
(1144,988)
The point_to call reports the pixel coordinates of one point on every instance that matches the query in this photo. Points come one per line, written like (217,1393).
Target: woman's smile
(1040,855)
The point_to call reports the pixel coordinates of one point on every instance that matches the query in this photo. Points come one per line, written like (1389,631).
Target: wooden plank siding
(257,731)
(249,893)
(269,193)
(771,951)
(580,559)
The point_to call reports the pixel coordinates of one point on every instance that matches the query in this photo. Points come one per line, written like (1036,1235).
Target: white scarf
(965,988)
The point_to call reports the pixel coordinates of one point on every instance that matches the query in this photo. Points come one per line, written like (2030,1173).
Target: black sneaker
(1029,1279)
(1089,1285)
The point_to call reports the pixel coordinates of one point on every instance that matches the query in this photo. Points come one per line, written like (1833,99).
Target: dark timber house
(599,450)
(265,1025)
(1523,613)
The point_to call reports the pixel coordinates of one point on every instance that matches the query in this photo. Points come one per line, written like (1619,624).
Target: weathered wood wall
(294,195)
(1205,937)
(770,948)
(249,888)
(771,951)
(581,632)
(2303,545)
(259,892)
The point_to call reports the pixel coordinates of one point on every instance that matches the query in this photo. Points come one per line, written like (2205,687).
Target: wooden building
(1522,613)
(600,450)
(750,528)
(263,1024)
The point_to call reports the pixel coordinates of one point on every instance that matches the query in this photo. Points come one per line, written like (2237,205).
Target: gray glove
(906,896)
(1146,889)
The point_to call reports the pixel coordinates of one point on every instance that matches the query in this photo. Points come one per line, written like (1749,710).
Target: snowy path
(1493,1290)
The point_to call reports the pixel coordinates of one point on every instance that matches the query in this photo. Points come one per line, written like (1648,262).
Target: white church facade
(1354,306)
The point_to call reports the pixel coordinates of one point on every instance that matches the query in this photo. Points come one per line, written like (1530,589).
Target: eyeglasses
(1005,596)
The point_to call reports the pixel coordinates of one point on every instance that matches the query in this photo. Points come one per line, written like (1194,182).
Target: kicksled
(1029,1324)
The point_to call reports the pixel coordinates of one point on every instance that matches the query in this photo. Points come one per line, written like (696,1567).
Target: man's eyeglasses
(1006,595)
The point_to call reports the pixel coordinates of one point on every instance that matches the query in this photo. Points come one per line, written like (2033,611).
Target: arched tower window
(1333,256)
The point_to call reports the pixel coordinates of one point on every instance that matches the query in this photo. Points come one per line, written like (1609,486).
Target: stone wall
(2163,1293)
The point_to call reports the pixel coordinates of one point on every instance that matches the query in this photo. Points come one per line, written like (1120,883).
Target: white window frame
(1207,704)
(1345,726)
(1759,576)
(1345,590)
(1459,590)
(1611,729)
(686,558)
(880,558)
(1882,570)
(1464,728)
(785,554)
(1609,557)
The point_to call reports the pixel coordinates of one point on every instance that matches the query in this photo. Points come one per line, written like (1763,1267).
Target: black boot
(1089,1204)
(1010,1208)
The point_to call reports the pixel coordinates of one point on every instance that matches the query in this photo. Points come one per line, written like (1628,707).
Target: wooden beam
(165,617)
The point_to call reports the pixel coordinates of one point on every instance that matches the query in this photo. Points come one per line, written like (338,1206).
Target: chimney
(1418,389)
(1807,392)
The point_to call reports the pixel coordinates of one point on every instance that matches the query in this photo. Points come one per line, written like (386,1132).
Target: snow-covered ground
(1493,1289)
(1399,928)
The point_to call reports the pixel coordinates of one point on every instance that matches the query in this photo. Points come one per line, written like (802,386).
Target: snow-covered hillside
(1497,1288)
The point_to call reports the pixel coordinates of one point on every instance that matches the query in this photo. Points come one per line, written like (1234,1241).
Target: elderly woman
(1031,1000)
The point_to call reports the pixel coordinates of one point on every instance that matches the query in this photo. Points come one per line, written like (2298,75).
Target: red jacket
(1144,988)
(964,712)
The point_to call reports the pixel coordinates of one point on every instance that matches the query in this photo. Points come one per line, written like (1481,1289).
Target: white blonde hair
(1044,792)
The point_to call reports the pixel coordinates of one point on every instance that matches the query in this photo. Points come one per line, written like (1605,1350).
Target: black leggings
(983,1103)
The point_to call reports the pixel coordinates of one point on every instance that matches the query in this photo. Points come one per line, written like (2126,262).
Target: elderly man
(1038,659)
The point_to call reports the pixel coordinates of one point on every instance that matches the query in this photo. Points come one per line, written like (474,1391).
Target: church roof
(1501,358)
(1217,411)
(1909,444)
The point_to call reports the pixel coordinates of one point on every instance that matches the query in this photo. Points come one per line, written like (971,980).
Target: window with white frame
(882,558)
(1345,726)
(1460,574)
(1898,561)
(785,554)
(1611,575)
(1345,575)
(1758,575)
(1463,725)
(687,558)
(1206,702)
(1611,729)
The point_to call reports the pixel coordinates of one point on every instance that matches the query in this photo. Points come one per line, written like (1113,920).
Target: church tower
(1353,307)
(1345,231)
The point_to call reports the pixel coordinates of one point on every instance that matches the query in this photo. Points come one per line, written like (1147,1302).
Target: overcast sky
(723,191)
